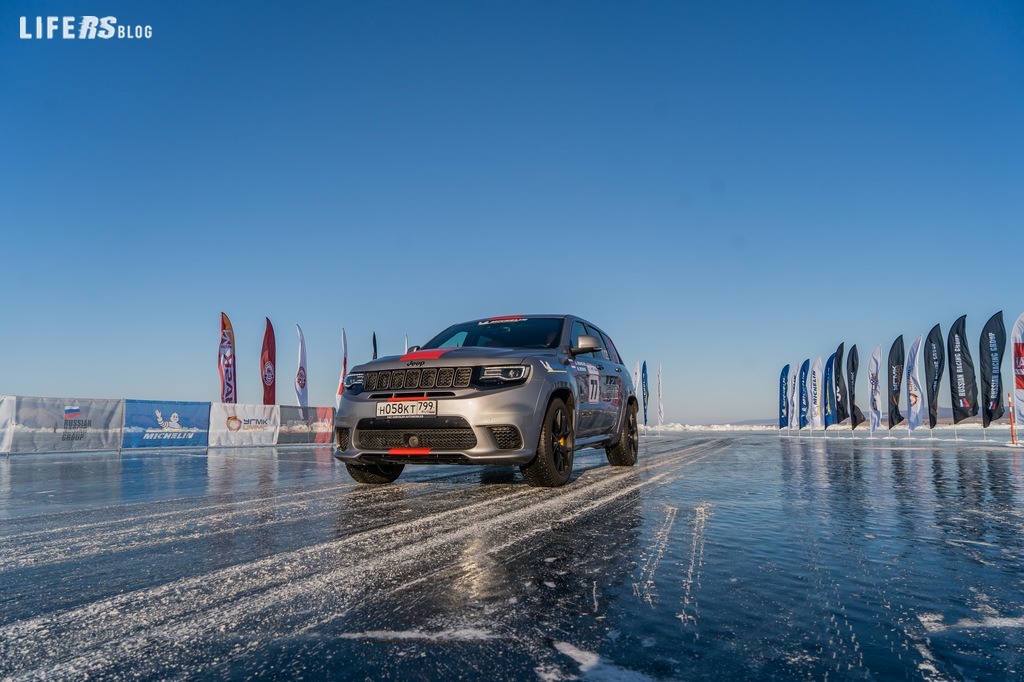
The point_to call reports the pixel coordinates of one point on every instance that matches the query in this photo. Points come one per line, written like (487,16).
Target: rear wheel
(374,473)
(553,464)
(623,453)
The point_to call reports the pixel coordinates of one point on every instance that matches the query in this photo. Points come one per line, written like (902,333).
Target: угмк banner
(963,387)
(165,424)
(990,355)
(234,425)
(934,364)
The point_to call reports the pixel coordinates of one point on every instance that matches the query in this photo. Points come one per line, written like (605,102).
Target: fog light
(414,441)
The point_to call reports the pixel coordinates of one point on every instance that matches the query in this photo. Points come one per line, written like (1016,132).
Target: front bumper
(472,426)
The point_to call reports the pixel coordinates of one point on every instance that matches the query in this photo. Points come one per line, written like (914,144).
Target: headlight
(354,382)
(504,374)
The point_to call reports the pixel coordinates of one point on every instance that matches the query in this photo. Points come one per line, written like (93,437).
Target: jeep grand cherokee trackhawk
(525,390)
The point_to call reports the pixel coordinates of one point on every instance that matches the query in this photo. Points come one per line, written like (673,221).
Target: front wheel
(623,453)
(375,474)
(553,464)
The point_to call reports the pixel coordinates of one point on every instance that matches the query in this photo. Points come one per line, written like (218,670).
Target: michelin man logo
(170,424)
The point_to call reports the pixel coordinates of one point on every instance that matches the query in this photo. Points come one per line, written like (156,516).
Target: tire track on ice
(166,621)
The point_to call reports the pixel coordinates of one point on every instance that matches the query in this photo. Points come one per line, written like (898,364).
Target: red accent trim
(433,354)
(504,317)
(409,451)
(399,400)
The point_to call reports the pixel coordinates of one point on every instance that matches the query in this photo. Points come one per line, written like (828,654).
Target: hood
(454,357)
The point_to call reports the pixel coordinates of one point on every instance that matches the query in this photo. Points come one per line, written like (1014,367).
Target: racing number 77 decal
(594,384)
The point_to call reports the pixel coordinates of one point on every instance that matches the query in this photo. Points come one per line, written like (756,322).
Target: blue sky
(725,187)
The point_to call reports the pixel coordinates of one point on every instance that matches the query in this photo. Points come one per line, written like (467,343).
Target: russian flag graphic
(72,412)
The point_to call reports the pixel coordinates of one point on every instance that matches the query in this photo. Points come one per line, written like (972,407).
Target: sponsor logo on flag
(72,412)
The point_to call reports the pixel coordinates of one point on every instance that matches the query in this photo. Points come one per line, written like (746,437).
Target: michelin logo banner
(236,424)
(162,424)
(66,424)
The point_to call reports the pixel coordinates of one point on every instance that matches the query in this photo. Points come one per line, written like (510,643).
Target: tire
(624,452)
(552,466)
(374,474)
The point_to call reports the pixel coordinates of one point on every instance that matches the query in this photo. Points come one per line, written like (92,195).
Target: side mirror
(586,344)
(413,349)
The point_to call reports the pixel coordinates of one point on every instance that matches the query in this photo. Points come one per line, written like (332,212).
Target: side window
(610,347)
(603,353)
(579,330)
(455,341)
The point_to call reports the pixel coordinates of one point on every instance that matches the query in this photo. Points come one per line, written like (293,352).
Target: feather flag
(817,418)
(300,375)
(805,406)
(784,398)
(990,355)
(852,365)
(963,388)
(375,345)
(934,364)
(1017,348)
(792,400)
(915,396)
(875,390)
(268,365)
(226,362)
(896,360)
(842,409)
(407,344)
(829,394)
(344,369)
(643,379)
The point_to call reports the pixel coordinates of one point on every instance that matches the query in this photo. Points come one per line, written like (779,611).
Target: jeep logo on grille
(416,363)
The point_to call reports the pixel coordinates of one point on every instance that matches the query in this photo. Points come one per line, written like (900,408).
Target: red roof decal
(432,354)
(409,451)
(505,317)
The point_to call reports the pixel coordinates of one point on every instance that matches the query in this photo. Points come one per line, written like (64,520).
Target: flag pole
(1013,420)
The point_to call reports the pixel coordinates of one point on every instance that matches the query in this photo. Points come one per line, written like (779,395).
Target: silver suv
(524,390)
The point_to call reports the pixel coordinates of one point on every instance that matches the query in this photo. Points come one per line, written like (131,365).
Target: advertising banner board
(6,422)
(237,425)
(165,424)
(303,425)
(66,424)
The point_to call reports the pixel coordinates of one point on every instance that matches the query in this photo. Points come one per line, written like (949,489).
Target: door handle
(618,369)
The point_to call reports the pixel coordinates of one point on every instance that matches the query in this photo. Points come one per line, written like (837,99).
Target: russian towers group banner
(163,424)
(66,424)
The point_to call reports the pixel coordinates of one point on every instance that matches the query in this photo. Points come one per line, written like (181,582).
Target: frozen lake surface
(721,556)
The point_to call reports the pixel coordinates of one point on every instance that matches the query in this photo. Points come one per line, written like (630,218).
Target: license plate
(407,408)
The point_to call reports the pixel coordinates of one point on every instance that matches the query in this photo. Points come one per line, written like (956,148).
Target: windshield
(517,332)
